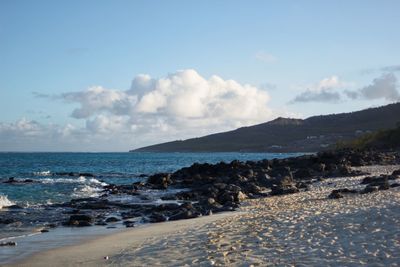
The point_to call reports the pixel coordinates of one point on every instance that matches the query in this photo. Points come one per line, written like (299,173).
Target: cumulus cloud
(332,90)
(32,129)
(180,99)
(322,96)
(22,126)
(25,134)
(323,91)
(181,105)
(97,99)
(383,87)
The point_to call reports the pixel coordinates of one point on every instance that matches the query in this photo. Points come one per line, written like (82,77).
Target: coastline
(306,228)
(91,251)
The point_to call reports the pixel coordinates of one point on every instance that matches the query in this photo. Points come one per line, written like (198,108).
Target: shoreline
(91,251)
(306,228)
(36,242)
(308,182)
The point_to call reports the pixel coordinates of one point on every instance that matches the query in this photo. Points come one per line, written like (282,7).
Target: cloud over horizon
(331,90)
(181,99)
(383,87)
(323,91)
(181,105)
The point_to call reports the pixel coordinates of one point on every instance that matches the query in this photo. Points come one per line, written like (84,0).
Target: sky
(116,75)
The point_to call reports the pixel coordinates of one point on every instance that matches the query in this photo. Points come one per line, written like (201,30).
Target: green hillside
(383,139)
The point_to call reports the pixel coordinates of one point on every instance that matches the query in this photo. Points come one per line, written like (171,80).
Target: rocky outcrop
(375,183)
(8,244)
(339,193)
(159,180)
(79,220)
(210,188)
(13,180)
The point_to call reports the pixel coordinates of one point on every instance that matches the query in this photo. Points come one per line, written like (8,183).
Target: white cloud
(333,90)
(265,57)
(325,90)
(25,134)
(97,99)
(181,105)
(22,126)
(102,124)
(328,83)
(322,96)
(383,87)
(187,95)
(179,98)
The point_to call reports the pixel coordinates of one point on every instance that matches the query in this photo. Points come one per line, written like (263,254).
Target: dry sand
(303,229)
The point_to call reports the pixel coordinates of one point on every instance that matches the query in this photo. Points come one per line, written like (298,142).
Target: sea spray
(86,191)
(80,180)
(5,202)
(42,173)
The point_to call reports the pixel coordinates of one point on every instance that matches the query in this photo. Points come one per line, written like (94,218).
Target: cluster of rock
(12,180)
(209,188)
(9,243)
(221,187)
(373,184)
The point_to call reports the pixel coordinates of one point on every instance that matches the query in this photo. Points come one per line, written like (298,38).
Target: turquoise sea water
(119,168)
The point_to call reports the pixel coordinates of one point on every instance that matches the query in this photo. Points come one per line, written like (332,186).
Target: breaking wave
(5,202)
(80,180)
(42,173)
(86,191)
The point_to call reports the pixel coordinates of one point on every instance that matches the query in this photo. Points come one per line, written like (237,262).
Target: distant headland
(290,135)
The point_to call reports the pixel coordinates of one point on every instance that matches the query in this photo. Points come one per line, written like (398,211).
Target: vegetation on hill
(383,139)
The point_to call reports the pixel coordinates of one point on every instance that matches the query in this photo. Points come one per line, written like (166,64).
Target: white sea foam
(80,180)
(5,202)
(86,187)
(86,191)
(42,173)
(150,197)
(95,181)
(59,180)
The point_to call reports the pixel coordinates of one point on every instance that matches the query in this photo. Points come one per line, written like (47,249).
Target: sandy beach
(93,252)
(303,229)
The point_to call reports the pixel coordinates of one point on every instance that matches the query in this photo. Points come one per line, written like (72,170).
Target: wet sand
(93,252)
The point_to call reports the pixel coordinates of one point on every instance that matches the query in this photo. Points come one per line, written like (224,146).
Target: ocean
(54,184)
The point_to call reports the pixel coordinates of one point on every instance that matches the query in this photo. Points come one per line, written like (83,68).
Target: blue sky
(302,57)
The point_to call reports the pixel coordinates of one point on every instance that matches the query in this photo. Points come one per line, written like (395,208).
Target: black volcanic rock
(160,180)
(204,189)
(112,219)
(335,194)
(369,189)
(79,220)
(376,181)
(14,181)
(187,214)
(339,193)
(396,173)
(9,244)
